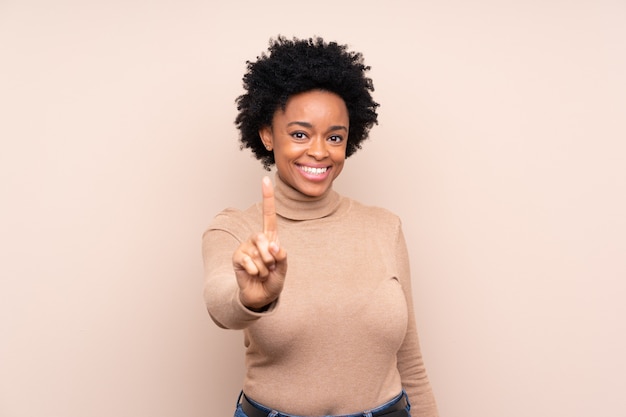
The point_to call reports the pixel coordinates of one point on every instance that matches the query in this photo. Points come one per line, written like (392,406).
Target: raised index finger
(269,210)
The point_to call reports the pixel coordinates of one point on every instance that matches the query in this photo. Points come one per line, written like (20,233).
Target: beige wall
(501,144)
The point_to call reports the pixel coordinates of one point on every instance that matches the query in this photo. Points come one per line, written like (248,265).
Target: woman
(331,331)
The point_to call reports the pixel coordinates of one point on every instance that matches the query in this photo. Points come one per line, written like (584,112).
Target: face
(309,140)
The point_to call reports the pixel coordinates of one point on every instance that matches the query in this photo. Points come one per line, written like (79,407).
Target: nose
(318,148)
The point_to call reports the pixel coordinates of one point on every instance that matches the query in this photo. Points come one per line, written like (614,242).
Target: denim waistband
(366,413)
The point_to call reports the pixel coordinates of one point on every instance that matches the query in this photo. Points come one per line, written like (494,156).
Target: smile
(312,170)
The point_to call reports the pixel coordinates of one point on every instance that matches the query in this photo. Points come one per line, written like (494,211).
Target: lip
(311,176)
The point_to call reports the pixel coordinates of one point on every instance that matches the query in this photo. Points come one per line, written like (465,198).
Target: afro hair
(295,66)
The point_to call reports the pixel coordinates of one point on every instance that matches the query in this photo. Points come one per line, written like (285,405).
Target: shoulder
(374,215)
(239,223)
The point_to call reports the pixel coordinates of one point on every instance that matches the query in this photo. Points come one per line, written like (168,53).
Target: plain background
(501,144)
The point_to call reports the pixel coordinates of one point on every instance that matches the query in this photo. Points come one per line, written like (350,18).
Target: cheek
(339,155)
(338,158)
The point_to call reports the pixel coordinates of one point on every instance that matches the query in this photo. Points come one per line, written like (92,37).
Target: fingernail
(273,247)
(272,267)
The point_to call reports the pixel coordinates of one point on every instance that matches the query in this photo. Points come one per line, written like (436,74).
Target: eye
(336,139)
(298,135)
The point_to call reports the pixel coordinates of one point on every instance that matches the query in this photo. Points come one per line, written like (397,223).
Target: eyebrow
(309,125)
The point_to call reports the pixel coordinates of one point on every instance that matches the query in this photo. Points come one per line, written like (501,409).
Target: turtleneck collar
(293,205)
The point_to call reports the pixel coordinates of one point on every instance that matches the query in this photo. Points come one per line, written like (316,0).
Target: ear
(267,137)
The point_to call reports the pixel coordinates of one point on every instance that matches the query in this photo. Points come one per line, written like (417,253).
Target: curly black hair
(295,66)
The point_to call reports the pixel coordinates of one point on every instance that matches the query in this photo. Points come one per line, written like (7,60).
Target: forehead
(315,104)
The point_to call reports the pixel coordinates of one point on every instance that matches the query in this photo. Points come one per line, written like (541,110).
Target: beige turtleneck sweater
(341,338)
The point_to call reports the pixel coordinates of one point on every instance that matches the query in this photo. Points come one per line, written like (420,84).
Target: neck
(294,205)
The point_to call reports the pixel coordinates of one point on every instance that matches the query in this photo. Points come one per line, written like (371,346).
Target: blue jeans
(273,413)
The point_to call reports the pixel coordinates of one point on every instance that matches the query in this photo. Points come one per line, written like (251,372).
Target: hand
(260,263)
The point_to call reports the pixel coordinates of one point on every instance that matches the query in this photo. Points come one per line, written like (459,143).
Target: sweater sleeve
(410,362)
(221,292)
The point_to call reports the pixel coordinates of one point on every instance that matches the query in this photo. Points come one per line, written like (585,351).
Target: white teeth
(314,171)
